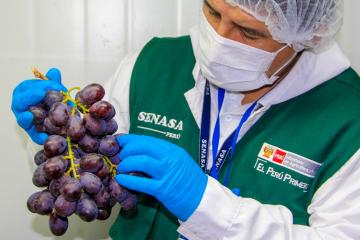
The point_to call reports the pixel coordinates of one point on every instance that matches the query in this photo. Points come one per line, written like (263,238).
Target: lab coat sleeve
(334,213)
(117,90)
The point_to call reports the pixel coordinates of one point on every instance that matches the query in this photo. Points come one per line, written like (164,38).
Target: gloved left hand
(31,92)
(176,180)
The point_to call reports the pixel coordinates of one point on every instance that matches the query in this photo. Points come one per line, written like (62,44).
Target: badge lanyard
(230,142)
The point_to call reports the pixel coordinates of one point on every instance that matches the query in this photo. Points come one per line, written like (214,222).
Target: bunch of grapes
(79,159)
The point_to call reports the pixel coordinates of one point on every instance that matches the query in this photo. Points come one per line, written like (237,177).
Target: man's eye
(248,34)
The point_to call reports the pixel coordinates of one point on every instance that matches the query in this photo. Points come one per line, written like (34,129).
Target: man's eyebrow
(211,7)
(249,30)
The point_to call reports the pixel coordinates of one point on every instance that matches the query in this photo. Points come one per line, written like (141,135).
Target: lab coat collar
(310,71)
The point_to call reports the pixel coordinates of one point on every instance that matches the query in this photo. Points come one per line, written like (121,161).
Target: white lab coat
(335,208)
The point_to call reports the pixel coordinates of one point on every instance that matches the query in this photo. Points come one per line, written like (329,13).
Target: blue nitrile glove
(176,180)
(236,191)
(29,93)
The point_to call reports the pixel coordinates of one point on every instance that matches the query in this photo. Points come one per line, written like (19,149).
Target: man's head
(271,24)
(304,24)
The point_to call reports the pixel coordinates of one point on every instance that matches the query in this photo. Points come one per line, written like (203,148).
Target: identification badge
(275,162)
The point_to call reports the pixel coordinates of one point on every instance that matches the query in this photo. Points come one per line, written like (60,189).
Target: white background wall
(86,40)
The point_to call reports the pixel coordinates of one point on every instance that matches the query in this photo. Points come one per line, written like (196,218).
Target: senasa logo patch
(279,156)
(153,121)
(160,120)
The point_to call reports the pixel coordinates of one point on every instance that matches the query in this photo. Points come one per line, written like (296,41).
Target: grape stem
(71,158)
(38,74)
(83,108)
(112,166)
(77,103)
(67,96)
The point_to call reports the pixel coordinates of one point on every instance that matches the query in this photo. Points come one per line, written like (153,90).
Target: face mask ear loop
(275,75)
(281,49)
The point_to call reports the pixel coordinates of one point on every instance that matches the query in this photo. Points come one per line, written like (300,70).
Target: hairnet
(302,23)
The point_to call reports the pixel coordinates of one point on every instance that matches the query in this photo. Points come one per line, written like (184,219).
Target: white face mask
(231,65)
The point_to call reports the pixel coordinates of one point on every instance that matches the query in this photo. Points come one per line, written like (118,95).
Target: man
(259,100)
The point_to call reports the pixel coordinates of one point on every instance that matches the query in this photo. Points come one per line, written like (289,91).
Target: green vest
(317,132)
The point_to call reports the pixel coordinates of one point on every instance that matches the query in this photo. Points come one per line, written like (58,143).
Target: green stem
(113,167)
(77,104)
(71,158)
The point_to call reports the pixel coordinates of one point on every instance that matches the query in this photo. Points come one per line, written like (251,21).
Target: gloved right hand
(29,93)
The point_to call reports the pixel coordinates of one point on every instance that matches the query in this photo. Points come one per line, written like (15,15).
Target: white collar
(310,71)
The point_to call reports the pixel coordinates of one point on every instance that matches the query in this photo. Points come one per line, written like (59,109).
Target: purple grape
(90,182)
(85,195)
(111,127)
(52,97)
(71,190)
(102,198)
(57,184)
(89,144)
(59,114)
(91,162)
(32,200)
(129,203)
(78,153)
(102,110)
(41,202)
(57,224)
(104,213)
(109,146)
(77,166)
(63,207)
(117,192)
(52,129)
(103,172)
(115,159)
(106,181)
(55,167)
(87,210)
(111,115)
(76,129)
(39,114)
(39,177)
(40,157)
(66,162)
(90,94)
(96,127)
(55,145)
